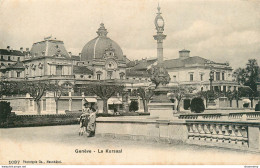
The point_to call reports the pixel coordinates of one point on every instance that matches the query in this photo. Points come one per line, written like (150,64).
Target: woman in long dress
(92,122)
(84,119)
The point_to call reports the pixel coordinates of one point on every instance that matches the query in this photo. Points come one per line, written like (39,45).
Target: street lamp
(211,78)
(211,95)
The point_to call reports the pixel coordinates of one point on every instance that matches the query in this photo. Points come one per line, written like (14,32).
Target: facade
(103,59)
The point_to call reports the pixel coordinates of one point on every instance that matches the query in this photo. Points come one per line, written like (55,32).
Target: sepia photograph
(129,82)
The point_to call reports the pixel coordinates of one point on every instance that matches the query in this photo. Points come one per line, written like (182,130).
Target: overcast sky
(215,29)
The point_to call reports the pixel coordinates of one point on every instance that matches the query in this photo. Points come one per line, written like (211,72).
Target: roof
(17,65)
(95,49)
(82,70)
(49,48)
(11,52)
(134,73)
(143,64)
(184,50)
(74,57)
(180,62)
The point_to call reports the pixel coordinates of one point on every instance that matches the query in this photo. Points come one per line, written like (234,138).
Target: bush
(245,105)
(133,106)
(104,115)
(197,105)
(257,107)
(5,111)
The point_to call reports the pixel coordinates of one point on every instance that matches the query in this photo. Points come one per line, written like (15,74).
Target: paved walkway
(61,143)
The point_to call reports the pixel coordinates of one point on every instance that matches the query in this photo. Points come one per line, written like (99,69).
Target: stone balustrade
(222,116)
(207,131)
(219,133)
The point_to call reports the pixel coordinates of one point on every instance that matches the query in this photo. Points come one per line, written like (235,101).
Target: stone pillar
(253,137)
(70,101)
(125,101)
(41,105)
(83,101)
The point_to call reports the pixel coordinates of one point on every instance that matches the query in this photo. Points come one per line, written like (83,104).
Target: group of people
(88,119)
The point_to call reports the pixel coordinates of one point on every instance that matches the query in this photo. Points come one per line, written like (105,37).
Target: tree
(249,76)
(197,105)
(8,88)
(133,106)
(57,90)
(230,95)
(237,95)
(207,95)
(104,91)
(36,89)
(146,95)
(180,92)
(5,111)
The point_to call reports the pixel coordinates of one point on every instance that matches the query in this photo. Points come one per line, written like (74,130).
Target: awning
(246,101)
(89,99)
(114,101)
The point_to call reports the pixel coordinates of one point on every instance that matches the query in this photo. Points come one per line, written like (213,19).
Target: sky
(219,30)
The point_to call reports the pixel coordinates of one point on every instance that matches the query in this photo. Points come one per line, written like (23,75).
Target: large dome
(95,49)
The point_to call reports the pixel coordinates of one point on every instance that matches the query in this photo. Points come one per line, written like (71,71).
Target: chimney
(21,49)
(70,54)
(8,48)
(184,53)
(79,54)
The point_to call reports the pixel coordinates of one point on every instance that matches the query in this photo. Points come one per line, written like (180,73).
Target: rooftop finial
(102,31)
(159,9)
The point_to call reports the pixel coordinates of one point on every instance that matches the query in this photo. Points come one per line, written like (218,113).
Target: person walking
(91,127)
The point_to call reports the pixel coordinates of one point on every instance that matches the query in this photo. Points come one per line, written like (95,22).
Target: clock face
(111,64)
(160,22)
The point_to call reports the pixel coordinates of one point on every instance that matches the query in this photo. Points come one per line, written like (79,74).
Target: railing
(218,132)
(201,116)
(222,116)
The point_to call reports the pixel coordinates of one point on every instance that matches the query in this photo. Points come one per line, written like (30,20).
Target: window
(201,77)
(191,77)
(9,58)
(223,75)
(109,74)
(18,74)
(121,76)
(2,57)
(224,88)
(98,76)
(109,65)
(89,76)
(174,78)
(81,76)
(217,76)
(18,59)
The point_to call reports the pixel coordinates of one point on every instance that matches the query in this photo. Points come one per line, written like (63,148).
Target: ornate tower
(160,105)
(159,75)
(159,25)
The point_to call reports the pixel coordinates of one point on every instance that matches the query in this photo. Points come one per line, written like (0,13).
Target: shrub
(133,106)
(257,106)
(197,105)
(5,111)
(104,115)
(246,105)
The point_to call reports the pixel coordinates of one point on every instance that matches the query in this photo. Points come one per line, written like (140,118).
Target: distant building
(190,71)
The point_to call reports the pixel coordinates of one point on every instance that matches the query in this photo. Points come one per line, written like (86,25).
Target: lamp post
(211,77)
(211,102)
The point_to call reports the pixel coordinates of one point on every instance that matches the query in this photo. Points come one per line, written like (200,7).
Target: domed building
(104,57)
